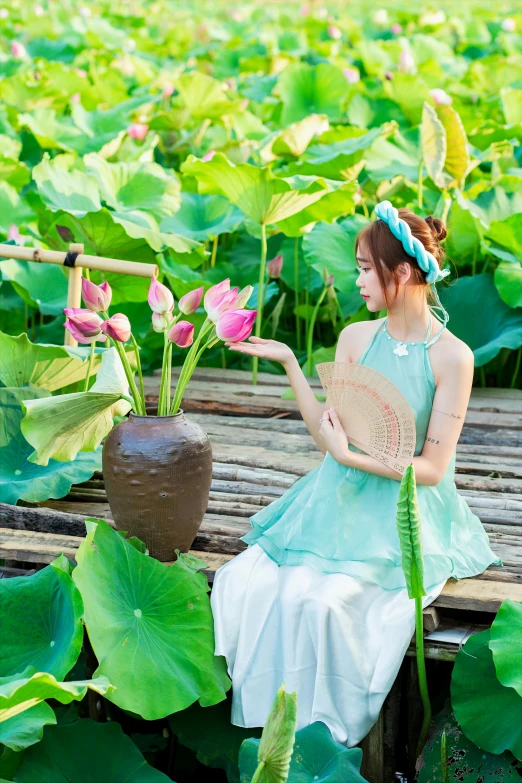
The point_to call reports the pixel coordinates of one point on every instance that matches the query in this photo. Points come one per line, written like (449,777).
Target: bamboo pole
(74,291)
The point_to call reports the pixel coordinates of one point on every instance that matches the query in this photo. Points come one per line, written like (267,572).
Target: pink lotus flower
(159,322)
(243,296)
(275,266)
(18,50)
(508,24)
(235,325)
(334,32)
(304,10)
(219,299)
(96,297)
(406,62)
(440,96)
(14,234)
(118,327)
(80,72)
(182,334)
(160,297)
(168,89)
(190,302)
(84,325)
(137,130)
(209,155)
(4,13)
(396,28)
(236,15)
(352,75)
(76,97)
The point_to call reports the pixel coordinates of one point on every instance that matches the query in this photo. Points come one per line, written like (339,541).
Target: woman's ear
(404,272)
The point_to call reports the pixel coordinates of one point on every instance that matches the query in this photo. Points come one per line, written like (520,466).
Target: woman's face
(368,282)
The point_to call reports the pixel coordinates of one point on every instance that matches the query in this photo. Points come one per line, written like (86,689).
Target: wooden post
(74,291)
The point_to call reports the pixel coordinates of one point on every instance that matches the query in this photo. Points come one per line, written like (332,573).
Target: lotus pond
(248,142)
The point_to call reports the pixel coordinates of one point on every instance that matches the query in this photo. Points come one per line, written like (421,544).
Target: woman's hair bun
(437,227)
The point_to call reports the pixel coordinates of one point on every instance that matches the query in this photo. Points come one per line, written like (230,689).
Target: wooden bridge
(260,448)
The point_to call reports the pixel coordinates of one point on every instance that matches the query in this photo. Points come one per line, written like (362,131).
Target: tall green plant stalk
(89,367)
(420,182)
(310,334)
(260,298)
(139,402)
(214,252)
(140,374)
(444,758)
(517,368)
(421,670)
(296,284)
(189,365)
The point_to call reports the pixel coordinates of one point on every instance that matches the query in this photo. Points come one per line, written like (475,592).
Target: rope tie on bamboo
(70,259)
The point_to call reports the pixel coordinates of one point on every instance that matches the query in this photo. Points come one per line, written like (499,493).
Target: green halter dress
(339,519)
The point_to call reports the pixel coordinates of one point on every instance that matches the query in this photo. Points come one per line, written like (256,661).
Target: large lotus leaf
(41,623)
(508,280)
(332,246)
(434,144)
(27,727)
(507,234)
(208,732)
(489,714)
(48,366)
(13,171)
(204,96)
(40,285)
(13,209)
(30,687)
(399,154)
(60,427)
(491,205)
(52,131)
(256,191)
(457,150)
(294,140)
(505,644)
(72,190)
(511,100)
(338,202)
(129,186)
(409,91)
(485,336)
(21,479)
(305,89)
(155,642)
(101,126)
(466,762)
(86,752)
(203,217)
(144,226)
(464,235)
(410,537)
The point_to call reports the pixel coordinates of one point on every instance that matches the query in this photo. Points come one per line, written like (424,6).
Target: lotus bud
(118,327)
(243,296)
(4,13)
(440,96)
(39,10)
(159,322)
(275,266)
(14,234)
(85,11)
(18,50)
(352,75)
(208,156)
(235,325)
(327,278)
(65,233)
(406,62)
(380,16)
(160,297)
(334,32)
(190,302)
(304,10)
(168,90)
(182,334)
(80,72)
(76,97)
(84,325)
(396,28)
(388,75)
(96,297)
(219,299)
(322,13)
(137,131)
(508,24)
(236,15)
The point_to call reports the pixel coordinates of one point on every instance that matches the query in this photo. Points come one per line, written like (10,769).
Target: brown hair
(387,252)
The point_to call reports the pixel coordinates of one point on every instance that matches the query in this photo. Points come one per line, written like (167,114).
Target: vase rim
(155,416)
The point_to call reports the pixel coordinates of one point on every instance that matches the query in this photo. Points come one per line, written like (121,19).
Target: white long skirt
(335,639)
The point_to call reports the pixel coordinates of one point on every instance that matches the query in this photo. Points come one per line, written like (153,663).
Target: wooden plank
(477,595)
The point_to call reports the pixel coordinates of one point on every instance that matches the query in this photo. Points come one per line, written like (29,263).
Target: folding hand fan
(374,413)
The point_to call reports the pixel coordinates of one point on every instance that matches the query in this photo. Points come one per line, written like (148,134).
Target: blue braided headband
(386,212)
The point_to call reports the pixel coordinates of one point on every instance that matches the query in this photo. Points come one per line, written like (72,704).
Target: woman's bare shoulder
(448,353)
(354,338)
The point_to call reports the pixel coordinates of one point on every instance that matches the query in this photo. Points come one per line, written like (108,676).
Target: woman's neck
(408,320)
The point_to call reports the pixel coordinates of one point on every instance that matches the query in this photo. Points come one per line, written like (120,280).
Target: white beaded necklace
(401,348)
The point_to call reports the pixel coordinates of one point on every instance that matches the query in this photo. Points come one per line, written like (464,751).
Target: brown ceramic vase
(157,472)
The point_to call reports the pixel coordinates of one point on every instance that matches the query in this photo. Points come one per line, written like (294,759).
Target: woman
(318,600)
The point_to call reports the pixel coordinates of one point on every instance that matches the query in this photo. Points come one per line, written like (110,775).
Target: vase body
(157,472)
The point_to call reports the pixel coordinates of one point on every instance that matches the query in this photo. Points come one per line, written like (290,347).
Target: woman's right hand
(265,349)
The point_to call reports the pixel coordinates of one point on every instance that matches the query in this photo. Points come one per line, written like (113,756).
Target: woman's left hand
(333,437)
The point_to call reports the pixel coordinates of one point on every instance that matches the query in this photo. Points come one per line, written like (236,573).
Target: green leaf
(86,752)
(13,209)
(21,479)
(457,153)
(50,367)
(511,100)
(508,280)
(60,427)
(52,131)
(156,642)
(14,172)
(410,534)
(61,188)
(256,191)
(204,96)
(307,89)
(293,140)
(274,749)
(41,623)
(434,144)
(489,714)
(40,285)
(494,204)
(466,762)
(400,154)
(27,727)
(135,186)
(333,246)
(506,635)
(485,336)
(203,217)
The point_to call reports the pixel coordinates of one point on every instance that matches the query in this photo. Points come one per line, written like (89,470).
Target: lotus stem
(89,366)
(296,284)
(258,772)
(260,297)
(161,397)
(421,669)
(169,377)
(517,367)
(130,380)
(140,374)
(310,334)
(444,758)
(183,380)
(214,252)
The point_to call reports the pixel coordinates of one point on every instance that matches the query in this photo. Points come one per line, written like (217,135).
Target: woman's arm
(445,425)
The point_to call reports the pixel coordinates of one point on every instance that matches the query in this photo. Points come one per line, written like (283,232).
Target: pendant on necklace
(401,349)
